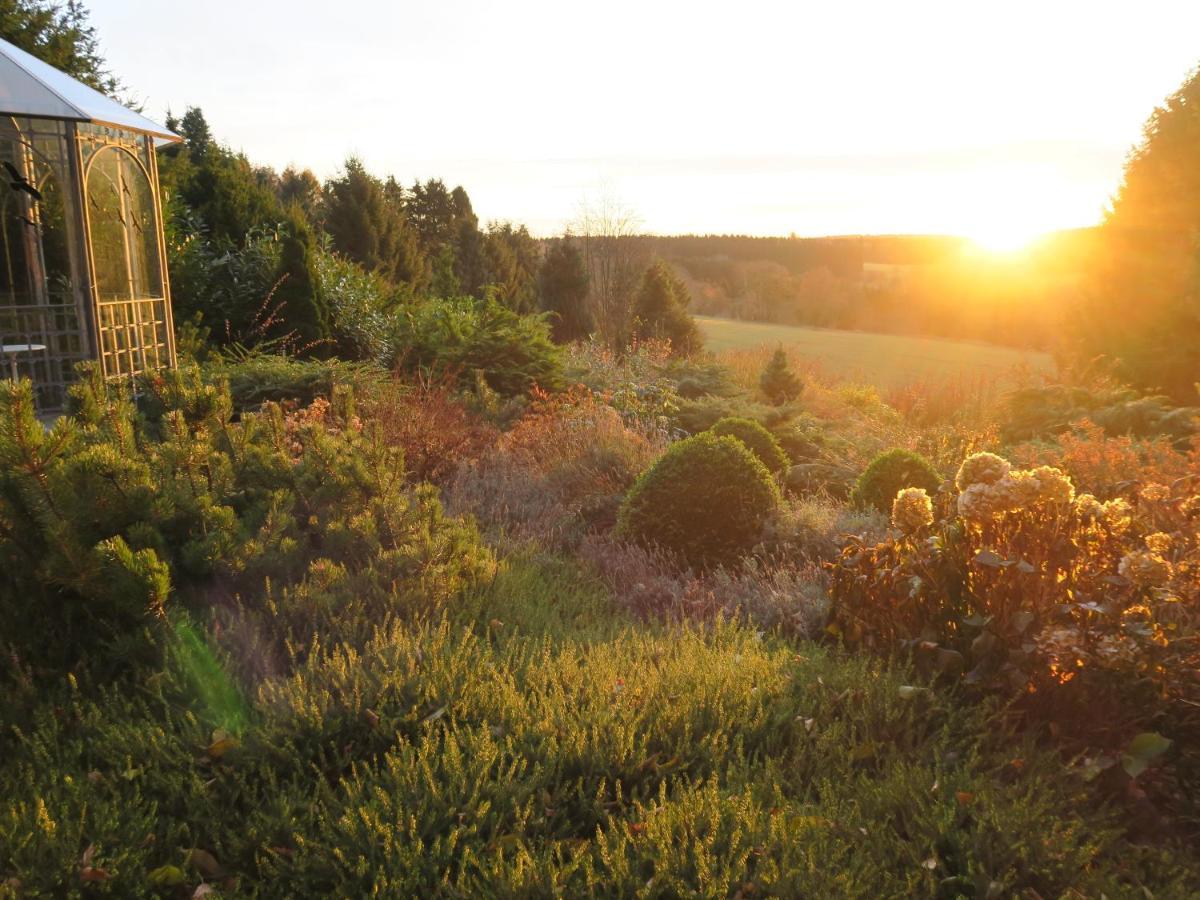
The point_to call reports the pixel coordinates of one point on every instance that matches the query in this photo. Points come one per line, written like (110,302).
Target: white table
(11,351)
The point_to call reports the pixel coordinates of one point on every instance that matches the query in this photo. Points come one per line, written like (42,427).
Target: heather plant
(757,439)
(890,472)
(706,500)
(559,472)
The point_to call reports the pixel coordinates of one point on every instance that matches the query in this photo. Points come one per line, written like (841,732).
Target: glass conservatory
(82,259)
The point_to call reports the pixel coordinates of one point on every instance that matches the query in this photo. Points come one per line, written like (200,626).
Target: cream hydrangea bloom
(981,502)
(1017,489)
(981,468)
(912,509)
(1053,485)
(1145,569)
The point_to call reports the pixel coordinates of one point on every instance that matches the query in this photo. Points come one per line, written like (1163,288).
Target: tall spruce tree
(563,291)
(298,295)
(366,221)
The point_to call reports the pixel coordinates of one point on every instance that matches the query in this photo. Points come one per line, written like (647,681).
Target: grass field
(884,359)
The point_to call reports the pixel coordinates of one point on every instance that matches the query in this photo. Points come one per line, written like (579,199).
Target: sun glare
(1001,240)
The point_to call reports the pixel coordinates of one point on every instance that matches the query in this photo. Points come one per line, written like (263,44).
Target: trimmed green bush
(705,500)
(890,472)
(760,441)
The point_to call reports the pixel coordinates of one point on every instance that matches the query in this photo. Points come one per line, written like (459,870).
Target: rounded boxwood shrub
(759,441)
(706,500)
(888,474)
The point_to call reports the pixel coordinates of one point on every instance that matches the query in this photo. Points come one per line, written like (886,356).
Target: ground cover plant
(339,687)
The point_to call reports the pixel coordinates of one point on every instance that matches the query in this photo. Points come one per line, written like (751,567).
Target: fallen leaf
(372,717)
(203,890)
(964,798)
(930,863)
(220,744)
(93,874)
(167,876)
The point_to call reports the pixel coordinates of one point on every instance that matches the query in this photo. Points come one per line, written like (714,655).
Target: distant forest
(910,284)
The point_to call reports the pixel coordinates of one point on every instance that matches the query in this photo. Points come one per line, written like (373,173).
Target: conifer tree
(563,288)
(366,221)
(778,382)
(298,295)
(660,310)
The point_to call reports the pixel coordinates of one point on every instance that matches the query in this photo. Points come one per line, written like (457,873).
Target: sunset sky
(992,119)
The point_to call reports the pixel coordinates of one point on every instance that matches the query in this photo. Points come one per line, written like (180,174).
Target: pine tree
(563,288)
(778,382)
(660,310)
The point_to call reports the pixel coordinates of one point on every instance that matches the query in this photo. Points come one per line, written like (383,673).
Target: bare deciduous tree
(609,235)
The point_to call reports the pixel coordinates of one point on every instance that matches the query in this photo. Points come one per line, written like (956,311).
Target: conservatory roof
(30,87)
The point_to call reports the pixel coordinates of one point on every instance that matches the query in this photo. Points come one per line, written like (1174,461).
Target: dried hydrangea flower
(1159,542)
(1017,489)
(1054,485)
(1154,491)
(981,502)
(1145,569)
(912,510)
(1088,508)
(981,468)
(1117,514)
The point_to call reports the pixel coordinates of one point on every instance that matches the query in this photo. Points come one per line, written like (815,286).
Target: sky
(991,119)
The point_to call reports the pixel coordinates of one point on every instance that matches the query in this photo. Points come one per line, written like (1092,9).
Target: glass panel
(40,323)
(124,239)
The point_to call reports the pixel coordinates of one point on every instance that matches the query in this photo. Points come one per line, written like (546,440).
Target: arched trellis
(128,277)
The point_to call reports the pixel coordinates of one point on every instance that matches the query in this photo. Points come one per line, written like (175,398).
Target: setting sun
(1003,239)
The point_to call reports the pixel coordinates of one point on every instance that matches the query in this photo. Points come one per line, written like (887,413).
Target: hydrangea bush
(1071,604)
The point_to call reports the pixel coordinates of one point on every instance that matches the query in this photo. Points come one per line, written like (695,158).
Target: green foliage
(59,34)
(366,221)
(463,757)
(705,500)
(779,383)
(255,377)
(299,295)
(563,289)
(890,472)
(660,310)
(225,288)
(102,514)
(1042,412)
(462,336)
(360,306)
(220,188)
(511,255)
(1140,306)
(757,439)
